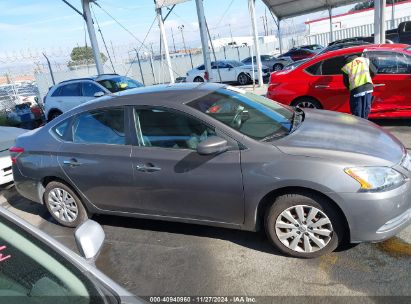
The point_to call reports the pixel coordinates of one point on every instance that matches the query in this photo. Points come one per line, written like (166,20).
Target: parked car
(7,137)
(35,268)
(216,155)
(272,62)
(71,93)
(318,83)
(313,47)
(342,45)
(231,71)
(298,54)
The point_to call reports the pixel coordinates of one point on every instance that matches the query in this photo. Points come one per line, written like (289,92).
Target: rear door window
(71,89)
(104,126)
(314,69)
(333,66)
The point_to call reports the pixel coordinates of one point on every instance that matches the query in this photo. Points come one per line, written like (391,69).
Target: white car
(230,70)
(7,137)
(72,93)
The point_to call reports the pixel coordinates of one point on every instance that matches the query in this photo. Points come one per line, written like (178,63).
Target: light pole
(181,28)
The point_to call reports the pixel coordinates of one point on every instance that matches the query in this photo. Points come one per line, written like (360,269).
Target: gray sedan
(215,155)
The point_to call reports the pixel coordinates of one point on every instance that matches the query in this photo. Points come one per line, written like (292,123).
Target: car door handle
(379,85)
(322,86)
(72,162)
(147,168)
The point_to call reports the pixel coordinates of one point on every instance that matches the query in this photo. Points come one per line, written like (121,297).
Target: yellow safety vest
(358,72)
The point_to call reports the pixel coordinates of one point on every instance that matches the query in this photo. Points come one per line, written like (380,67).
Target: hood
(8,136)
(343,137)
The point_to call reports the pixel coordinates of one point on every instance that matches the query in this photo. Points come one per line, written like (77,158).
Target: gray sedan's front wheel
(303,226)
(64,205)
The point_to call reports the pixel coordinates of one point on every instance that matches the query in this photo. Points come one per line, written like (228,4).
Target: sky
(28,27)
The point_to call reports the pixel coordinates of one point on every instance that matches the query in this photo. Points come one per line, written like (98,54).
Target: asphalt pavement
(155,258)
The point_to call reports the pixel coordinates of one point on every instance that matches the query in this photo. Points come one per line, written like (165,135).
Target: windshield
(252,115)
(119,83)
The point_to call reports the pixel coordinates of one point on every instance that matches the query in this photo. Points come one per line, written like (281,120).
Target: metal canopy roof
(283,9)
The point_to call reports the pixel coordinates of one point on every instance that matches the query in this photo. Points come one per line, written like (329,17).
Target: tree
(83,55)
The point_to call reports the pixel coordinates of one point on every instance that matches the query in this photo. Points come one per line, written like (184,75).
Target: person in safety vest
(358,73)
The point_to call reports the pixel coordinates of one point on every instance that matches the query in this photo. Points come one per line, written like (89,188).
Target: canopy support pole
(204,41)
(92,36)
(330,13)
(164,41)
(251,7)
(383,25)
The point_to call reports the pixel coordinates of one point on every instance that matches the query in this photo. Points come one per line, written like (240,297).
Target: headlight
(376,179)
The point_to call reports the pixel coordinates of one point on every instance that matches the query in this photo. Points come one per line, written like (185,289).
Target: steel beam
(251,7)
(92,36)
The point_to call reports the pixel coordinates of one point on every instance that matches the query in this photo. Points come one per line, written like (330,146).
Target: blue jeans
(361,106)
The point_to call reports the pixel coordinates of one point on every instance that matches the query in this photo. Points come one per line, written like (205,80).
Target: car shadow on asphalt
(252,240)
(16,201)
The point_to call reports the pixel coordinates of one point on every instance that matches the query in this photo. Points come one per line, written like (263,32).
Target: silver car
(35,268)
(273,63)
(215,155)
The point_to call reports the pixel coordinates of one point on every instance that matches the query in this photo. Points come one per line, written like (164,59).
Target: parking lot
(162,258)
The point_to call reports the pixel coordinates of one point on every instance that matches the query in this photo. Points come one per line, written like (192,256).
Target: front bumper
(374,217)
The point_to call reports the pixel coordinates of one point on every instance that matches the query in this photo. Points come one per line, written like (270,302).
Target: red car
(318,83)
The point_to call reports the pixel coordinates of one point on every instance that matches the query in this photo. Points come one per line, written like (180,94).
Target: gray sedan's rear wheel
(303,226)
(64,205)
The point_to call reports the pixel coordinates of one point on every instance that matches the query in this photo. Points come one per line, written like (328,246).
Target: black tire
(243,79)
(198,79)
(306,102)
(286,201)
(53,114)
(81,215)
(277,67)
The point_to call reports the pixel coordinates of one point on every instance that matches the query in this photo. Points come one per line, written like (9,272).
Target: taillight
(17,151)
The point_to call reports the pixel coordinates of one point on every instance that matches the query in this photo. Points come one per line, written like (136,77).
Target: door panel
(189,185)
(97,158)
(172,179)
(392,82)
(103,173)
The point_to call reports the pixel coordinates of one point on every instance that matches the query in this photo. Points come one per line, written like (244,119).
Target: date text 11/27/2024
(202,299)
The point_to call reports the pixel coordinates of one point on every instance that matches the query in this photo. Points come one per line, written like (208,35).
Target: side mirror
(98,94)
(212,145)
(89,238)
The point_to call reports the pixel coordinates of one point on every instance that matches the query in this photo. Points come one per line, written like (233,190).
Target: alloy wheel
(62,205)
(306,104)
(304,228)
(277,67)
(242,79)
